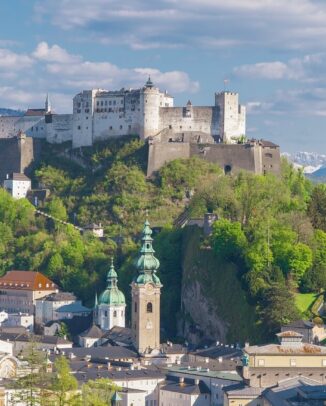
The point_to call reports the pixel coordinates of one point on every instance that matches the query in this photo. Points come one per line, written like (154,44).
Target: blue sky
(273,52)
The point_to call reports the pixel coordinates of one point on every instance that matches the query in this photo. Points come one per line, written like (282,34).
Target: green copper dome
(112,295)
(147,264)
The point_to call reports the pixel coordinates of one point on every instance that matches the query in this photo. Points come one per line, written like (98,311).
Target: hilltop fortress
(211,132)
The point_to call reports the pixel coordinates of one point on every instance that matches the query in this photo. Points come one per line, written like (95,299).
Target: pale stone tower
(110,310)
(146,291)
(150,104)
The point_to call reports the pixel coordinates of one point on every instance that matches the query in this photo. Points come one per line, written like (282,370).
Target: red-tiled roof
(26,280)
(35,112)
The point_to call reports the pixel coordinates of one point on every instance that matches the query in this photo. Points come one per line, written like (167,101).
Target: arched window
(149,307)
(115,313)
(135,307)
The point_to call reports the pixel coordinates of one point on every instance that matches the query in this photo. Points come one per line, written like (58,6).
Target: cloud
(54,54)
(63,74)
(11,61)
(294,24)
(304,69)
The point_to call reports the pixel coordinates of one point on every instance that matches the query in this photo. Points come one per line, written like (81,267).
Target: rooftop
(93,332)
(59,297)
(187,388)
(35,112)
(76,307)
(205,372)
(26,280)
(18,176)
(275,349)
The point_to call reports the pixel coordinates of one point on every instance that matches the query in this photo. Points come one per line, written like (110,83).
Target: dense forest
(272,229)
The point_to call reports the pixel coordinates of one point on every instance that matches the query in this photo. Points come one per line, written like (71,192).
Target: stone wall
(257,157)
(58,128)
(17,155)
(160,153)
(182,119)
(230,157)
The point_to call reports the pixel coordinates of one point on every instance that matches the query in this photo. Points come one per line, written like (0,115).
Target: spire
(149,83)
(147,264)
(96,301)
(112,295)
(47,104)
(112,277)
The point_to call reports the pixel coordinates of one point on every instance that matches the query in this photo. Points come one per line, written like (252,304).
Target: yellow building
(264,366)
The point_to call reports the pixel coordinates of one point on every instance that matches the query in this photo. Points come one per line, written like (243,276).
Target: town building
(17,320)
(45,308)
(18,185)
(111,307)
(145,295)
(95,229)
(311,333)
(19,291)
(266,365)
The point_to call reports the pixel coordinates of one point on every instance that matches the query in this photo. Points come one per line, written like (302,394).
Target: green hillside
(267,246)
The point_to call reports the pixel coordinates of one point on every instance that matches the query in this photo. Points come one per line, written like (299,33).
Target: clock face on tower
(149,288)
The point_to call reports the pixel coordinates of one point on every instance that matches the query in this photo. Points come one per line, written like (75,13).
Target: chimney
(196,381)
(181,380)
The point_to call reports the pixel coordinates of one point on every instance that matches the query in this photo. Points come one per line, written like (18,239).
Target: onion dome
(112,295)
(147,264)
(149,83)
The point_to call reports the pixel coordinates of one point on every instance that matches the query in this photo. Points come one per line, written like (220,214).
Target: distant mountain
(310,161)
(10,112)
(319,175)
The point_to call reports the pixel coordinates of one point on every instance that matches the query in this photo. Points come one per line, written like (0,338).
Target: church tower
(110,310)
(146,291)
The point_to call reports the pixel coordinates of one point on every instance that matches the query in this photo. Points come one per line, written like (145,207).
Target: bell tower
(146,292)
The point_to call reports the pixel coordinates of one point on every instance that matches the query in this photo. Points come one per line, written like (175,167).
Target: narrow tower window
(135,307)
(149,307)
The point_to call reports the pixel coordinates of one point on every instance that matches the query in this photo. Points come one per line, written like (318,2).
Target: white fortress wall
(181,119)
(33,126)
(59,128)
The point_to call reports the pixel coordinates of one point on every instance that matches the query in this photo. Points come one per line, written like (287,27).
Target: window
(97,103)
(79,127)
(149,307)
(261,362)
(120,127)
(115,313)
(135,307)
(105,313)
(110,127)
(293,362)
(129,127)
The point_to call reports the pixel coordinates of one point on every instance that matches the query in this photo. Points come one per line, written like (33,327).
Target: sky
(273,52)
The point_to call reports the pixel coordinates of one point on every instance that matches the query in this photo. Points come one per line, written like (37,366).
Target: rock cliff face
(214,303)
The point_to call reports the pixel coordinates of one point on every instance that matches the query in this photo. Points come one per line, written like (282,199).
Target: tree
(30,389)
(56,208)
(228,239)
(317,207)
(300,260)
(64,385)
(277,307)
(98,392)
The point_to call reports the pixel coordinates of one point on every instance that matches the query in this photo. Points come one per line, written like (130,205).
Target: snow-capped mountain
(310,161)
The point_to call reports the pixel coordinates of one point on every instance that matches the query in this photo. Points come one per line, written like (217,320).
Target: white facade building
(45,308)
(110,310)
(18,185)
(17,320)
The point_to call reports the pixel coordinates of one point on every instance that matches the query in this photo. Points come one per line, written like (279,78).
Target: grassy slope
(221,285)
(304,301)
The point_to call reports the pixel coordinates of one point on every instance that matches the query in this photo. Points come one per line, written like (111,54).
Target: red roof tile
(26,280)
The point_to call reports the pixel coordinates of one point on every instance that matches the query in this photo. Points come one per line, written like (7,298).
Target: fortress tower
(150,102)
(110,310)
(232,116)
(146,292)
